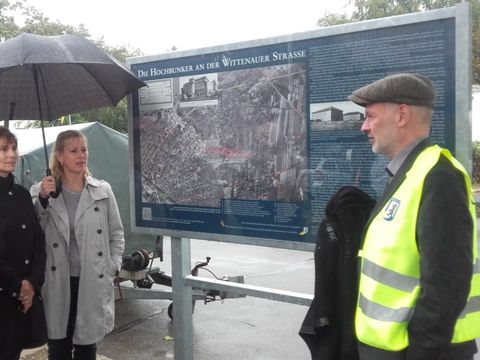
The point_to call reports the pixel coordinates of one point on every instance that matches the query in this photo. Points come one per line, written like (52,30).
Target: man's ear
(404,114)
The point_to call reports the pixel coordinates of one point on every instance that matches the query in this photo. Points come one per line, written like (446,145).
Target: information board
(247,142)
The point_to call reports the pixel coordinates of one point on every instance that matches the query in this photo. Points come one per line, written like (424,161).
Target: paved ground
(41,354)
(240,329)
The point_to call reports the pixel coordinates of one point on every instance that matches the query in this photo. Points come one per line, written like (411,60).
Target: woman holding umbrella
(22,260)
(84,242)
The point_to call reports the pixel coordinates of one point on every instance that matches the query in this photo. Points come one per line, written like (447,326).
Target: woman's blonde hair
(59,147)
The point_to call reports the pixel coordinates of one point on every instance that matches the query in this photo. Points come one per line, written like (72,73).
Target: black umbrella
(45,77)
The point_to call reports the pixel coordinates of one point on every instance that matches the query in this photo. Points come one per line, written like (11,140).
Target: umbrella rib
(72,59)
(64,48)
(105,91)
(6,69)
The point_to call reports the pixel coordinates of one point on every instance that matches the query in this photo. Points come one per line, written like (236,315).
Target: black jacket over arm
(328,327)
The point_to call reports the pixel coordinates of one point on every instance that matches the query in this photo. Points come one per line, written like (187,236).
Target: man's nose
(365,127)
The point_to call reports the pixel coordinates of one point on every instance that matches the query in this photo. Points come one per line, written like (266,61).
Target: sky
(155,26)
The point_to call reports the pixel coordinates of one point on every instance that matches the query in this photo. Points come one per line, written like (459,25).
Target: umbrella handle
(58,185)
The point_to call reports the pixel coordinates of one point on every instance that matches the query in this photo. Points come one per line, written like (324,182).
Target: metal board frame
(455,83)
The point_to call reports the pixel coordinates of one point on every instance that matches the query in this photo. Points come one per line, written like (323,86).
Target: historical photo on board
(337,115)
(199,90)
(339,156)
(244,138)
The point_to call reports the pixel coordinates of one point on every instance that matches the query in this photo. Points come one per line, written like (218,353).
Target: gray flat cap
(410,89)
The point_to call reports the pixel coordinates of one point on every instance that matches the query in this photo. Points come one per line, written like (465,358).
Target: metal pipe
(249,290)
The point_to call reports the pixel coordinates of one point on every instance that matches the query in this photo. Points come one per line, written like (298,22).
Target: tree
(476,162)
(331,19)
(113,117)
(36,22)
(374,9)
(8,28)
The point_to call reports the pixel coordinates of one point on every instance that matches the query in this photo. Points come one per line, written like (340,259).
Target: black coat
(22,256)
(328,327)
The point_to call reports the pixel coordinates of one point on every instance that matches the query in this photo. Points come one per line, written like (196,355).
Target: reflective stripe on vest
(389,288)
(405,283)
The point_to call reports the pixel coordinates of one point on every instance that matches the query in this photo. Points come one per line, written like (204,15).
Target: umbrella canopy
(45,77)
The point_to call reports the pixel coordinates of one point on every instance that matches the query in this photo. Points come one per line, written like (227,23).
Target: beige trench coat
(99,233)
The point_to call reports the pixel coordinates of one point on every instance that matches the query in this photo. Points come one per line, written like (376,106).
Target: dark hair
(8,135)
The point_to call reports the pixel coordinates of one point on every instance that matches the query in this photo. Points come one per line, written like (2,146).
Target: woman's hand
(27,292)
(47,187)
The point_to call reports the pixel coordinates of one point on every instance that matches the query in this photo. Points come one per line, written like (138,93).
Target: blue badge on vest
(391,209)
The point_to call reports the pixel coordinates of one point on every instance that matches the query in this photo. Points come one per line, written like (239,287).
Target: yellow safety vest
(389,282)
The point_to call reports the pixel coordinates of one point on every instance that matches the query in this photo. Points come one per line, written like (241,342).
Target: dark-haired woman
(22,260)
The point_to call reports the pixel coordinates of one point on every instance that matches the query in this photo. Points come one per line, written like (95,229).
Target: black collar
(6,183)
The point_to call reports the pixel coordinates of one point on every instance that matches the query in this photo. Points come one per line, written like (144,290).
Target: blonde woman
(84,242)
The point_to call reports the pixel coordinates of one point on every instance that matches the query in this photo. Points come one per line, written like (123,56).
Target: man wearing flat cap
(419,288)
